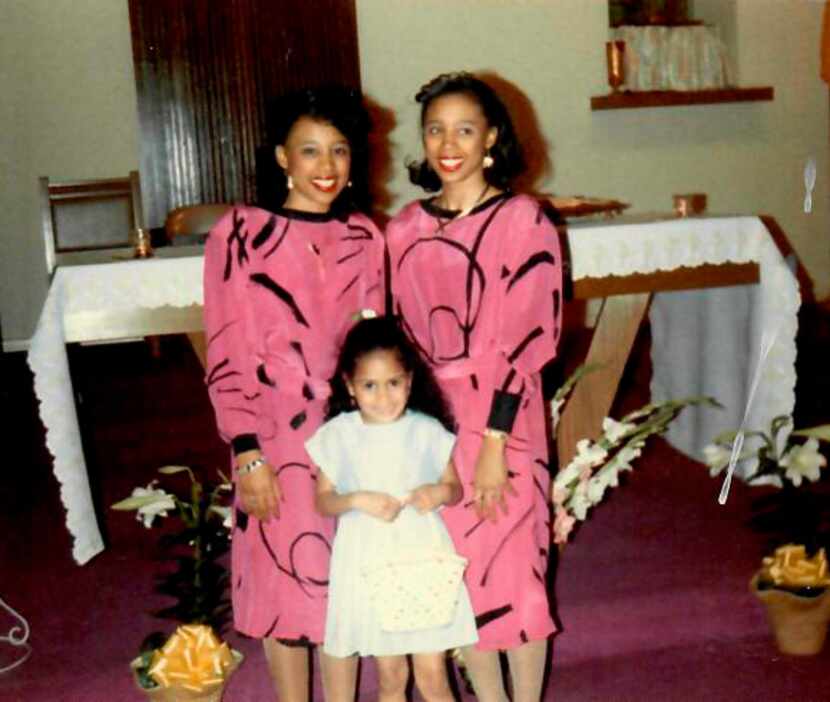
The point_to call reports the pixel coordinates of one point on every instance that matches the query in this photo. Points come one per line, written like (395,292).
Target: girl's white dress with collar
(392,458)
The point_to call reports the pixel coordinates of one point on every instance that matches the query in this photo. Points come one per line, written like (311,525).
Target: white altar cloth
(706,342)
(108,286)
(703,341)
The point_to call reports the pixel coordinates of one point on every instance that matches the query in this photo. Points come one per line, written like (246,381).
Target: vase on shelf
(615,63)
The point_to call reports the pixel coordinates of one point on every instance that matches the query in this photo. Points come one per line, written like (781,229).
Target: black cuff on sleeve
(244,442)
(503,411)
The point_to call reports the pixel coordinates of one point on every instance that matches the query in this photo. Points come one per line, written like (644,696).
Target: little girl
(384,470)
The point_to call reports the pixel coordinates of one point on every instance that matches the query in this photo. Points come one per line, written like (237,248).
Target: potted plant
(597,465)
(792,582)
(192,664)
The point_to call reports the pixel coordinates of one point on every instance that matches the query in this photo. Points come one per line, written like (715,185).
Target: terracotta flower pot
(799,622)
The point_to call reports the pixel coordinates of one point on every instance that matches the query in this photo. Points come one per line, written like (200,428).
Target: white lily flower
(563,523)
(155,503)
(579,504)
(615,430)
(774,480)
(627,454)
(589,454)
(596,489)
(716,457)
(555,406)
(225,513)
(803,461)
(559,494)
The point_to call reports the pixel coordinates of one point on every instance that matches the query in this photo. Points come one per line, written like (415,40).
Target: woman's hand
(491,484)
(378,504)
(259,490)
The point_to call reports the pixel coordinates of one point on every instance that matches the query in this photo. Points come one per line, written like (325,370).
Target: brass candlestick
(615,63)
(689,204)
(142,248)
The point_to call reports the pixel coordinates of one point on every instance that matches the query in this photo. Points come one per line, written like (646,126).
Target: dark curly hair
(339,106)
(506,152)
(385,333)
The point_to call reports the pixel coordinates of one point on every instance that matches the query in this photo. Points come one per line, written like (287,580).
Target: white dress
(393,458)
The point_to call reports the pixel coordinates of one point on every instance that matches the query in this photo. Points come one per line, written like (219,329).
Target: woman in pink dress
(477,279)
(281,290)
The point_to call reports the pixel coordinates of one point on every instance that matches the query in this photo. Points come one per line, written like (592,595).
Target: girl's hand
(491,485)
(426,498)
(378,504)
(259,491)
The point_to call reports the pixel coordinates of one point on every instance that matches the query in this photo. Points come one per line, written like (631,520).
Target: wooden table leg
(591,399)
(199,344)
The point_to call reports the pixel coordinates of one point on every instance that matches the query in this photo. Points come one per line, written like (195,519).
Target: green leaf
(574,378)
(172,470)
(821,432)
(136,502)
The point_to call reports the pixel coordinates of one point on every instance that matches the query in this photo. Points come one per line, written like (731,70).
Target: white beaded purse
(416,589)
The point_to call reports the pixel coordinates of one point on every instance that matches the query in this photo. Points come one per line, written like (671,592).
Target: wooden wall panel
(206,71)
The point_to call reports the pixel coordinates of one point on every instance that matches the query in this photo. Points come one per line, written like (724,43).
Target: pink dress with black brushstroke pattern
(281,291)
(481,296)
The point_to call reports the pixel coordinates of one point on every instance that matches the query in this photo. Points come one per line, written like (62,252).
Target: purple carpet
(651,592)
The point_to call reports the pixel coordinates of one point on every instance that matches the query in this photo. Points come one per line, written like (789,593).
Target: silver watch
(251,465)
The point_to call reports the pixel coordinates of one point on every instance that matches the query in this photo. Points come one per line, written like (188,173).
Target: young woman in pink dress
(477,280)
(281,290)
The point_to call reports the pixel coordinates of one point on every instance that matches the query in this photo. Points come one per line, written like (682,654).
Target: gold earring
(488,161)
(289,182)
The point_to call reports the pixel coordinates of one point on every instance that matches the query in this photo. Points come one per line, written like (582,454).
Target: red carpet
(652,591)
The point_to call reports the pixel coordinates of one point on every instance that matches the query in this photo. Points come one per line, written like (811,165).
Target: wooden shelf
(672,98)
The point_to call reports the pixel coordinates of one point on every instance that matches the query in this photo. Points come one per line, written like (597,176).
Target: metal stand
(17,637)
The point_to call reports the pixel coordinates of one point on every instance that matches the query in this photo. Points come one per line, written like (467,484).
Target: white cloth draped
(673,58)
(115,286)
(706,342)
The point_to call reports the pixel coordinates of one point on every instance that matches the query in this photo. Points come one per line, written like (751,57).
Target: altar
(705,339)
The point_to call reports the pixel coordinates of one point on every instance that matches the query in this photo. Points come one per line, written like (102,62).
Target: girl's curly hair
(385,333)
(506,152)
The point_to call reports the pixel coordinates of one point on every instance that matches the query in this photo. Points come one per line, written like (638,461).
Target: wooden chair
(190,224)
(88,214)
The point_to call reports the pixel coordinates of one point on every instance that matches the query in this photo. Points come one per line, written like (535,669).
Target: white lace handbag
(417,588)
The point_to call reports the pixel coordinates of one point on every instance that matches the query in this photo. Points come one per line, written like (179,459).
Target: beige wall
(747,157)
(73,110)
(69,112)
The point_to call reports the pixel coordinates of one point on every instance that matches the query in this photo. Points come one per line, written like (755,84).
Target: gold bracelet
(495,433)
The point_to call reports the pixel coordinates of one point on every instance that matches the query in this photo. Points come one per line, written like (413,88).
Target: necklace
(463,213)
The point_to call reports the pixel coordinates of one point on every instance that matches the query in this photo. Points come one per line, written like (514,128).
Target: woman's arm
(528,335)
(231,379)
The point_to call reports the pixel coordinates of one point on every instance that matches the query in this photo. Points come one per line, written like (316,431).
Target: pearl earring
(349,184)
(487,162)
(289,182)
